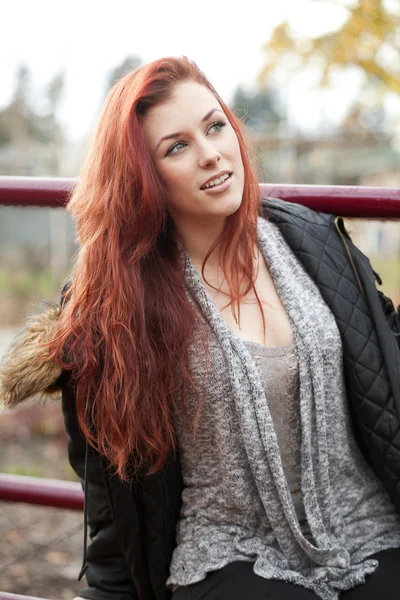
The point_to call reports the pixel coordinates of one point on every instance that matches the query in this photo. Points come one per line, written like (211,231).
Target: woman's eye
(170,151)
(219,124)
(175,147)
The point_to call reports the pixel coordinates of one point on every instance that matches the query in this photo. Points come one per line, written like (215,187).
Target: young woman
(229,372)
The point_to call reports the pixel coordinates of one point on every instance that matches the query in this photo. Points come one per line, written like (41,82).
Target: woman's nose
(208,154)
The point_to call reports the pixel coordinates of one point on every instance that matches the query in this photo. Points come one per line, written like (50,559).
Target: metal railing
(41,491)
(347,201)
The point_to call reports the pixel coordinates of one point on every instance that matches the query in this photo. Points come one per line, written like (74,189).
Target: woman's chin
(229,206)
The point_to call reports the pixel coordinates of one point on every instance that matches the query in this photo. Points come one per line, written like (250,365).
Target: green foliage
(25,470)
(21,282)
(21,289)
(5,129)
(389,271)
(41,469)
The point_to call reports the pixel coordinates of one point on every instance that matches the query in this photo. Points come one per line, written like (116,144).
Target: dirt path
(40,547)
(40,551)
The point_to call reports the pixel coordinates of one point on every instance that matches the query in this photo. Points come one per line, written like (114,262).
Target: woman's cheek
(180,177)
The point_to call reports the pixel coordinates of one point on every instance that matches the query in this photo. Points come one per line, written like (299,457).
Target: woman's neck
(197,238)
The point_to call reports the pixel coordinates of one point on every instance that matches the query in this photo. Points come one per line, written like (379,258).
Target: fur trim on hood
(23,373)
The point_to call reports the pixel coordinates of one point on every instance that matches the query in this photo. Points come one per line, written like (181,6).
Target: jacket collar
(24,372)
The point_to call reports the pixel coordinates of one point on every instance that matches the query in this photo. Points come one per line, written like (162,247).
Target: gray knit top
(279,372)
(236,502)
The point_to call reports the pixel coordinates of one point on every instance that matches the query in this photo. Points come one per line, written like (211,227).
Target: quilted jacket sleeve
(107,572)
(391,314)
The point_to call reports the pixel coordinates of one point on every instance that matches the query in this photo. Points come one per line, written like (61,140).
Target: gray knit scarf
(320,562)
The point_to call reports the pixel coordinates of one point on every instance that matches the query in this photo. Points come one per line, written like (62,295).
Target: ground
(41,548)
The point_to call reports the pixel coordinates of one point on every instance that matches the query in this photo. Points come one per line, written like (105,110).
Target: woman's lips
(221,187)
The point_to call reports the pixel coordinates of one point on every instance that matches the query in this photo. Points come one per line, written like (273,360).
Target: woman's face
(192,143)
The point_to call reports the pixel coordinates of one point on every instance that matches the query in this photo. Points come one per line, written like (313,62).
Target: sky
(88,38)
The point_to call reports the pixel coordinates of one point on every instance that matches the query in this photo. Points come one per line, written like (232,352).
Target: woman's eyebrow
(179,133)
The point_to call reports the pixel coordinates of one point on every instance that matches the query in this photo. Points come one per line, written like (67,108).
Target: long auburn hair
(127,323)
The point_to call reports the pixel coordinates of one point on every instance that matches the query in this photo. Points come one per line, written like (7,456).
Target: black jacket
(132,528)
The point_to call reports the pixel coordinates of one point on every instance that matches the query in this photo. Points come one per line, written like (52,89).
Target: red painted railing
(38,490)
(347,201)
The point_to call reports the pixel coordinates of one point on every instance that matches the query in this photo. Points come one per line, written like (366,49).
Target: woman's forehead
(189,100)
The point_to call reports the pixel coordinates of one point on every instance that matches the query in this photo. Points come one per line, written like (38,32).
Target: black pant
(237,581)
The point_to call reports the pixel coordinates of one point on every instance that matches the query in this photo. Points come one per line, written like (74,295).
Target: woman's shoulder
(298,223)
(24,370)
(279,210)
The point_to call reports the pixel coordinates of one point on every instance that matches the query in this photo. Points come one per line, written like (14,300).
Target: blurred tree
(45,127)
(13,118)
(131,62)
(5,131)
(21,120)
(259,109)
(369,40)
(23,84)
